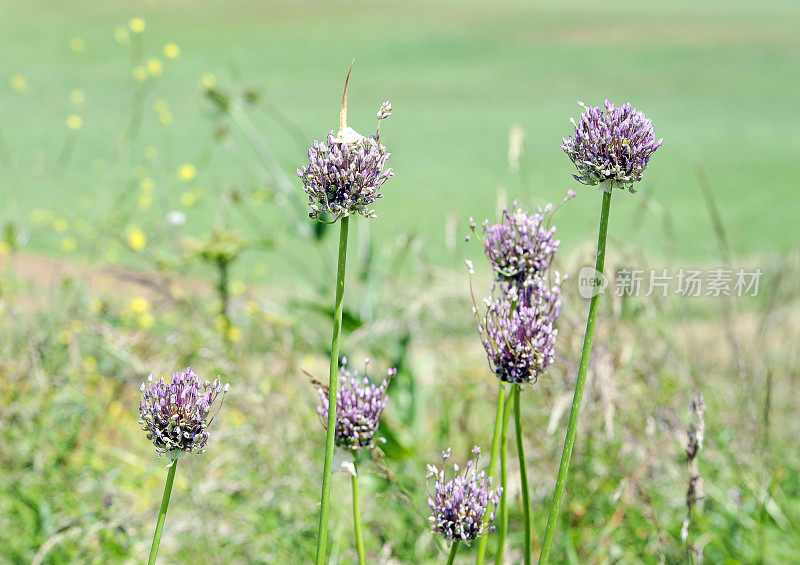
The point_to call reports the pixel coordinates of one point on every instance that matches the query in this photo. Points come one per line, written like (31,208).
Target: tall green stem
(569,442)
(162,514)
(357,515)
(523,478)
(452,557)
(501,396)
(333,386)
(501,537)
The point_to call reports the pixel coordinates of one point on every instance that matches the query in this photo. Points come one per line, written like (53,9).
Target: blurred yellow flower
(165,117)
(64,337)
(145,201)
(74,122)
(76,326)
(235,334)
(139,73)
(121,35)
(252,307)
(146,320)
(60,225)
(154,67)
(77,97)
(220,322)
(89,364)
(237,288)
(187,172)
(139,305)
(68,244)
(136,238)
(172,51)
(18,82)
(208,81)
(95,305)
(5,248)
(150,153)
(136,25)
(77,44)
(188,199)
(146,184)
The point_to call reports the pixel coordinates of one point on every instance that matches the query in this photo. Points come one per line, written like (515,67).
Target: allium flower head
(518,330)
(521,245)
(345,173)
(611,148)
(175,414)
(359,406)
(458,505)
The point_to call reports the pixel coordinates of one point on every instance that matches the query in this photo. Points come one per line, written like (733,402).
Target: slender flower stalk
(523,478)
(501,397)
(343,177)
(501,535)
(333,386)
(451,557)
(357,514)
(162,513)
(176,417)
(610,149)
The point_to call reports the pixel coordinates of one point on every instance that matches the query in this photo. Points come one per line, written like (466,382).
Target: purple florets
(611,148)
(359,405)
(175,415)
(518,330)
(385,110)
(458,506)
(521,245)
(344,174)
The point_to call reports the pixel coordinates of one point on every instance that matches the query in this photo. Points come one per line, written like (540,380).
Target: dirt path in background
(45,272)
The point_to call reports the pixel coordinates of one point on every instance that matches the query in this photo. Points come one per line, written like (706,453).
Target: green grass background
(719,80)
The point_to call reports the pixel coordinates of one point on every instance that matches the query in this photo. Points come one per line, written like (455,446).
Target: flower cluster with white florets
(359,406)
(460,504)
(612,147)
(176,414)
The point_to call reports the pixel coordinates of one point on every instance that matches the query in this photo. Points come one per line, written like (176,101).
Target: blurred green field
(719,79)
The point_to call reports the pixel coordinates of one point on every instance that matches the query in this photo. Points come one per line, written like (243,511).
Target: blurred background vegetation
(151,218)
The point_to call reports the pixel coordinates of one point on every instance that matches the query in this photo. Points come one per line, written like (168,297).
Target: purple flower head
(518,330)
(521,245)
(175,415)
(611,148)
(345,173)
(385,110)
(458,506)
(359,405)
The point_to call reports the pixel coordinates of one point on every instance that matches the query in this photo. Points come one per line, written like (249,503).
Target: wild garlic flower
(359,406)
(458,505)
(175,414)
(521,245)
(518,330)
(611,148)
(345,173)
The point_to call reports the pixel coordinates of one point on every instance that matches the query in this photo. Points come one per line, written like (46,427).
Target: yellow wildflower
(172,51)
(74,122)
(137,25)
(187,172)
(136,238)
